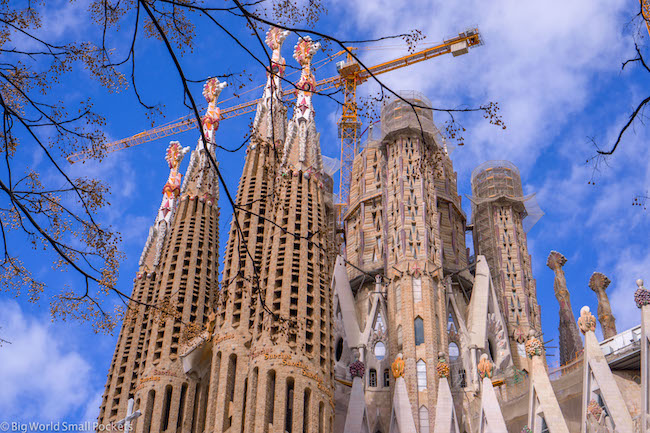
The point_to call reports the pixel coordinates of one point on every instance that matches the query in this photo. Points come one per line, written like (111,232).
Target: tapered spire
(171,191)
(201,179)
(302,146)
(270,118)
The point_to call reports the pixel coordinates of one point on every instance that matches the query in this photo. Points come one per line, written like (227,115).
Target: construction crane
(350,75)
(645,12)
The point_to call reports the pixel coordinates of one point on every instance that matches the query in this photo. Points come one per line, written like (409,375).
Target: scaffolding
(396,115)
(494,180)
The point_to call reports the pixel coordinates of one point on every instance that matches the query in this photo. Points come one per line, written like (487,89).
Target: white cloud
(42,379)
(539,62)
(633,263)
(60,19)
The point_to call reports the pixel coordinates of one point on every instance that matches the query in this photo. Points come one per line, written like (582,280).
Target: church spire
(171,191)
(201,179)
(302,147)
(270,118)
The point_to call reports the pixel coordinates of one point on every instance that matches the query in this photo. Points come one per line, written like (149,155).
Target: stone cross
(570,341)
(598,283)
(130,416)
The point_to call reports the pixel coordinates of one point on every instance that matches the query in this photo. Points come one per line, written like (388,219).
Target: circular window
(380,351)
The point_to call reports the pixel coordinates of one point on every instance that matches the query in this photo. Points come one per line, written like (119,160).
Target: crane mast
(353,75)
(350,75)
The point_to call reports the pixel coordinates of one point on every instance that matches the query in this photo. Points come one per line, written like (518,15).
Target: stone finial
(485,367)
(442,368)
(642,295)
(586,321)
(211,91)
(274,39)
(598,283)
(594,409)
(303,53)
(534,347)
(555,260)
(357,369)
(398,367)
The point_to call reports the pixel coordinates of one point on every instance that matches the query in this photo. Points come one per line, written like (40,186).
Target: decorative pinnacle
(534,347)
(174,155)
(442,368)
(642,295)
(274,39)
(594,409)
(485,367)
(555,260)
(303,53)
(357,369)
(398,367)
(598,282)
(212,89)
(586,321)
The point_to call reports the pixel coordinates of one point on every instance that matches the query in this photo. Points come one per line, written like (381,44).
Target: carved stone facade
(400,332)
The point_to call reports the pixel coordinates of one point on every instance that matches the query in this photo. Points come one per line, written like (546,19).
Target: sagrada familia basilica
(383,323)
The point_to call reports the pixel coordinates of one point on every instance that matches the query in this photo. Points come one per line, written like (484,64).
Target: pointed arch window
(454,353)
(451,323)
(421,368)
(424,419)
(417,290)
(419,330)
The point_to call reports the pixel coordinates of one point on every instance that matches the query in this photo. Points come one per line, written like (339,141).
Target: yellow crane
(350,75)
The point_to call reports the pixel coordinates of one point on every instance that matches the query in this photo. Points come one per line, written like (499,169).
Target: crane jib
(456,46)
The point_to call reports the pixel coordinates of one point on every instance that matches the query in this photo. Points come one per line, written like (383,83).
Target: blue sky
(554,67)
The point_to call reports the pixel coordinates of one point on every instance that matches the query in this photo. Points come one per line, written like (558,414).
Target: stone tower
(392,230)
(570,340)
(233,385)
(498,213)
(271,366)
(178,279)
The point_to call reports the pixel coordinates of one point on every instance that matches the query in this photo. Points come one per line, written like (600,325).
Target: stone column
(570,341)
(642,300)
(598,283)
